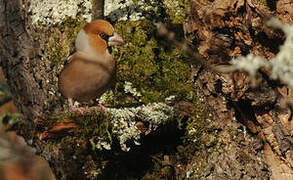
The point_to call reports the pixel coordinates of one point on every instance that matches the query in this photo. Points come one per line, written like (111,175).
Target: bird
(90,70)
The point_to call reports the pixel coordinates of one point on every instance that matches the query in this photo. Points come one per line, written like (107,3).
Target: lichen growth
(250,64)
(176,10)
(129,89)
(121,10)
(58,41)
(281,65)
(123,123)
(134,10)
(55,11)
(101,128)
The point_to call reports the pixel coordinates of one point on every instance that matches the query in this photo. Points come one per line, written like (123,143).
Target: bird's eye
(109,48)
(104,36)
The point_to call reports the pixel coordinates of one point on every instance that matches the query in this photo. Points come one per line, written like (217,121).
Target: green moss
(61,40)
(176,10)
(90,126)
(94,126)
(199,134)
(155,69)
(80,141)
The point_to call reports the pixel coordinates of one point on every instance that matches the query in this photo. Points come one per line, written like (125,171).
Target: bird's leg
(101,105)
(75,109)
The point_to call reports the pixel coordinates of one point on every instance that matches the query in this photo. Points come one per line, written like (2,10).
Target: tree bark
(26,73)
(98,9)
(32,77)
(220,33)
(198,139)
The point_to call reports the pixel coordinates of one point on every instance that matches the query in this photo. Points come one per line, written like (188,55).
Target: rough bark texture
(98,11)
(30,75)
(26,73)
(225,29)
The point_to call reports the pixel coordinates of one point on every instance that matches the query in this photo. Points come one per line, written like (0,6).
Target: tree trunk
(223,30)
(32,72)
(200,132)
(25,71)
(98,9)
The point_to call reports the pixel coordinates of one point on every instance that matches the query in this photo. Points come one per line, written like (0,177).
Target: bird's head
(96,37)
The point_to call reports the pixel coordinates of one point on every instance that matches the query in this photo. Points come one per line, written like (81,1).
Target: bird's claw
(103,108)
(81,110)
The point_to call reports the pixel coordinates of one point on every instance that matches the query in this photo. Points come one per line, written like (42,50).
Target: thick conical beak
(115,40)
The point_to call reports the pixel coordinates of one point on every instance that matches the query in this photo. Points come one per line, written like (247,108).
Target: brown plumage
(90,70)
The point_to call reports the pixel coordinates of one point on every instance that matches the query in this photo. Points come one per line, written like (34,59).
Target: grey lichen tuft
(55,11)
(250,64)
(107,96)
(125,10)
(123,121)
(128,88)
(101,144)
(281,65)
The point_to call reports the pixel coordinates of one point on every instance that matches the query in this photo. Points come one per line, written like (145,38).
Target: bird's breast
(83,79)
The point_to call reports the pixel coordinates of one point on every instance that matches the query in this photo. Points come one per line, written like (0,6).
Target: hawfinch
(91,68)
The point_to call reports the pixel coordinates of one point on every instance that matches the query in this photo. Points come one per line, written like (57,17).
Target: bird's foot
(73,108)
(81,110)
(103,107)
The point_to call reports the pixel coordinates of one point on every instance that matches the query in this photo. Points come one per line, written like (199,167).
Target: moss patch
(60,39)
(157,70)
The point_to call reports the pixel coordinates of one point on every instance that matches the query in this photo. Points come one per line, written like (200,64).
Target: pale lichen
(123,123)
(170,99)
(132,90)
(281,65)
(107,96)
(124,10)
(176,9)
(55,11)
(250,64)
(101,144)
(137,9)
